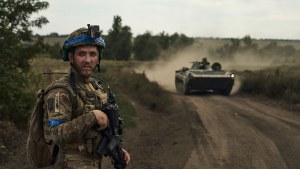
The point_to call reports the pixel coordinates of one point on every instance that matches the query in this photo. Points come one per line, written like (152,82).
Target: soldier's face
(85,59)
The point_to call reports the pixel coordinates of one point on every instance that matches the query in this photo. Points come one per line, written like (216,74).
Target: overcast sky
(195,18)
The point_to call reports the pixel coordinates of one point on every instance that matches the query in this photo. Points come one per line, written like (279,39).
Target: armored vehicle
(204,77)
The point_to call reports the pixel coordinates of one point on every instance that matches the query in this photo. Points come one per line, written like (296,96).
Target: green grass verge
(123,82)
(127,111)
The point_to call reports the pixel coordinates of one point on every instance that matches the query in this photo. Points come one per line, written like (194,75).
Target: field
(153,110)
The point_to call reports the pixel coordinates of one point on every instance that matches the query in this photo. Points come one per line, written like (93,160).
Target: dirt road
(204,131)
(208,132)
(216,132)
(241,133)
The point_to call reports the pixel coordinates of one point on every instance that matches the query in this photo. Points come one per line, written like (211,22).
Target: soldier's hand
(102,119)
(126,156)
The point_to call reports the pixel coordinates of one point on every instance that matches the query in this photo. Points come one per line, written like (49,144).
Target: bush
(273,83)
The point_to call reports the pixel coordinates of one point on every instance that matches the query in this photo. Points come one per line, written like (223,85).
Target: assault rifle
(110,144)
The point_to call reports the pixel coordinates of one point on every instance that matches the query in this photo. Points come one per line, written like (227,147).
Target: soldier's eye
(81,53)
(93,54)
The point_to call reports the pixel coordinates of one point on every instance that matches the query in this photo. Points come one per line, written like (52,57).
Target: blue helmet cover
(81,41)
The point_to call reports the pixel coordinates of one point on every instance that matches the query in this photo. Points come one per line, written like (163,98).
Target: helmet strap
(98,67)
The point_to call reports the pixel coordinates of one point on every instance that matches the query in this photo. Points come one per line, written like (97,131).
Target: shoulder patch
(50,103)
(56,109)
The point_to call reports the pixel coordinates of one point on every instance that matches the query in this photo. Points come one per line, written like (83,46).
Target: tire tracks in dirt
(280,126)
(235,132)
(202,140)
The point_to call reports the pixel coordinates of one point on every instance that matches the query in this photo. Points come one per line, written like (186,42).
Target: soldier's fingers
(126,156)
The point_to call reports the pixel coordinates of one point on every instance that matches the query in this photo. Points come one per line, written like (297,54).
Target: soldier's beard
(85,70)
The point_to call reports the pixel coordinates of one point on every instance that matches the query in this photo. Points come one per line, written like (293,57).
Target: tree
(149,47)
(249,45)
(118,41)
(17,47)
(53,34)
(146,47)
(164,40)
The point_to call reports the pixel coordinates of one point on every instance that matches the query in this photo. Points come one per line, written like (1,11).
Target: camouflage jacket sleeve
(58,105)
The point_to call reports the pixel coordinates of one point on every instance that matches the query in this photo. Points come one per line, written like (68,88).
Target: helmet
(81,37)
(204,60)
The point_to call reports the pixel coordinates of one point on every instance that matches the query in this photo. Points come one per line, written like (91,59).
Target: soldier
(204,64)
(70,106)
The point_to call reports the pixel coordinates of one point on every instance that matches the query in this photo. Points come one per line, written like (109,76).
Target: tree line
(121,45)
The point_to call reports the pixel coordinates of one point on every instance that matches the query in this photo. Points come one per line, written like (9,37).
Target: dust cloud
(163,70)
(250,61)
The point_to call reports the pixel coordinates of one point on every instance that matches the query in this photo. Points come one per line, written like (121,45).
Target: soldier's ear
(71,56)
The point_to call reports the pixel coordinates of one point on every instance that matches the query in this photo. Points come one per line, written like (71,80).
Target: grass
(42,65)
(281,83)
(127,110)
(123,82)
(137,85)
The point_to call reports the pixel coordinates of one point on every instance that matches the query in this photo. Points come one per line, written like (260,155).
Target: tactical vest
(83,101)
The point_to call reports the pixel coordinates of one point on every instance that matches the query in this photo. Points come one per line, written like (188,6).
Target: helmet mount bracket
(93,31)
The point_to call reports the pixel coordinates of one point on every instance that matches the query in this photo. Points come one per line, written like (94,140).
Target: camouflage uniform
(69,122)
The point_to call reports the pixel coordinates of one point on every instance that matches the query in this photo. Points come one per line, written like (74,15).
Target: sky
(261,19)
